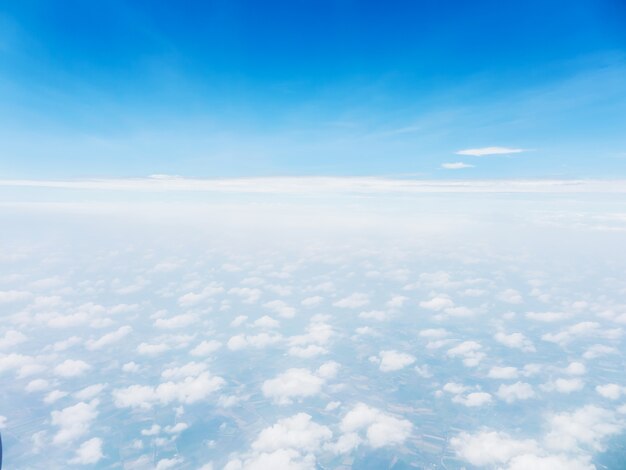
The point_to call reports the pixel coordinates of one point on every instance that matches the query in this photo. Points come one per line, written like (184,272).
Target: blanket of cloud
(273,330)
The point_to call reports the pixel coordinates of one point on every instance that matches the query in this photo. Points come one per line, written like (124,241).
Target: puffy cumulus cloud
(89,452)
(490,448)
(248,295)
(37,385)
(576,368)
(297,432)
(396,301)
(187,370)
(562,385)
(437,303)
(581,330)
(497,372)
(191,299)
(390,360)
(551,462)
(611,391)
(310,344)
(469,351)
(364,424)
(11,296)
(291,443)
(515,341)
(312,301)
(74,421)
(11,338)
(515,392)
(298,383)
(167,464)
(260,341)
(71,368)
(152,349)
(266,322)
(585,428)
(176,322)
(355,300)
(547,317)
(378,315)
(206,348)
(109,338)
(280,308)
(473,399)
(493,449)
(187,391)
(89,392)
(510,296)
(598,350)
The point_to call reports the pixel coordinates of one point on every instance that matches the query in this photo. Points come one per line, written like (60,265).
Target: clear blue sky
(341,87)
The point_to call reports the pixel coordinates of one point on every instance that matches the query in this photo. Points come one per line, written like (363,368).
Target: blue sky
(235,88)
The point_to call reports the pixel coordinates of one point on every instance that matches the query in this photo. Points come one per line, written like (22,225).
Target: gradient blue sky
(341,87)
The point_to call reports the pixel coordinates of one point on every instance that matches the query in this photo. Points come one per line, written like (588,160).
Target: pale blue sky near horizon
(339,88)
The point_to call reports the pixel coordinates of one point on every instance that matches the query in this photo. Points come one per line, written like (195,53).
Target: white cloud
(290,444)
(74,421)
(71,368)
(562,385)
(355,300)
(490,448)
(206,348)
(515,392)
(280,308)
(473,399)
(485,151)
(89,452)
(312,301)
(298,383)
(248,295)
(586,427)
(456,166)
(178,321)
(611,391)
(147,349)
(381,429)
(11,339)
(266,322)
(260,341)
(393,360)
(109,338)
(510,296)
(515,341)
(469,351)
(437,303)
(10,296)
(187,391)
(503,373)
(191,299)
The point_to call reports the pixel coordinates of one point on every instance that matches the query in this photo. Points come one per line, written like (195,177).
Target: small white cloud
(393,360)
(298,383)
(456,166)
(355,300)
(89,452)
(485,151)
(71,368)
(516,391)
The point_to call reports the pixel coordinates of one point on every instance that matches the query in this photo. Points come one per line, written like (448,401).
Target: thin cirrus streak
(321,184)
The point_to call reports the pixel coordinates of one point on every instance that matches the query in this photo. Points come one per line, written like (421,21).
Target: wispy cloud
(456,166)
(317,185)
(484,151)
